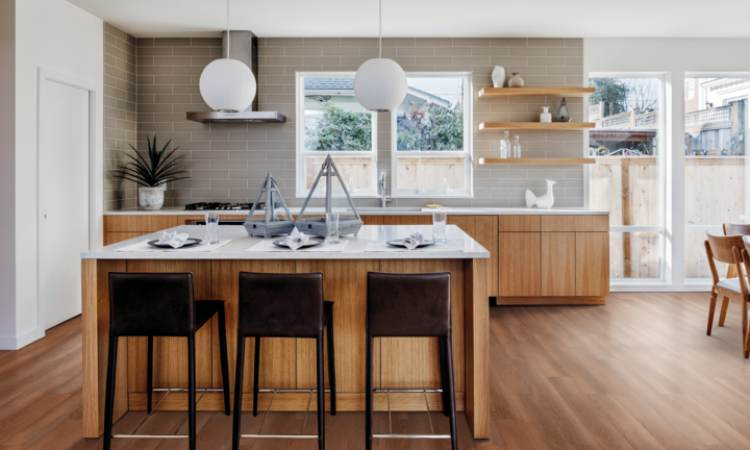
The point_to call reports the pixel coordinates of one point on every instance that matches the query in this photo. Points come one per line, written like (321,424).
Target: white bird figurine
(545,201)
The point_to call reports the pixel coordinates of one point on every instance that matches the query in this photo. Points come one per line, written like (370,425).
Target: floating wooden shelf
(552,126)
(558,91)
(535,161)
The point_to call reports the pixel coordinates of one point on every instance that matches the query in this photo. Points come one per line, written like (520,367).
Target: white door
(64,136)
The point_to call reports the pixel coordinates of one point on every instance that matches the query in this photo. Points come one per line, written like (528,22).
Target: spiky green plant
(155,168)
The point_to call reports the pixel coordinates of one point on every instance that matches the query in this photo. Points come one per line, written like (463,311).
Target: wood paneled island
(289,363)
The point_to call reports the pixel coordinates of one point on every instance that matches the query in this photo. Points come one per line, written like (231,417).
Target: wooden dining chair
(731,229)
(728,250)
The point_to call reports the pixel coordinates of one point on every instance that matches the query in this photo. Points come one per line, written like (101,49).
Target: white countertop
(459,246)
(388,211)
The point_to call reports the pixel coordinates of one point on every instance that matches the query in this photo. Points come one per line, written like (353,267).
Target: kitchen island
(289,363)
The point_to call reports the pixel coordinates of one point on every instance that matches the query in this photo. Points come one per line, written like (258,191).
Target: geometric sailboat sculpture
(270,224)
(349,220)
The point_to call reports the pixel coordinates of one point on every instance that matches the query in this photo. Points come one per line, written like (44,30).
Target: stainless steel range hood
(244,48)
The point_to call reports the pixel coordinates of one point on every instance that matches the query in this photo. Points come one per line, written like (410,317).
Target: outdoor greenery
(157,167)
(612,93)
(432,127)
(339,129)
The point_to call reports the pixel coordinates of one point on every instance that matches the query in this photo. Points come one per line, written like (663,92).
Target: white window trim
(299,181)
(467,152)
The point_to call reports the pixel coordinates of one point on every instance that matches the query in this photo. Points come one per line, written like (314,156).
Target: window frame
(301,191)
(467,152)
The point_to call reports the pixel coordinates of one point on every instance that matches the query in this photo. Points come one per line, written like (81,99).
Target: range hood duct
(244,48)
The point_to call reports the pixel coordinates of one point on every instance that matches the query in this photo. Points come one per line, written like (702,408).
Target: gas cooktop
(218,206)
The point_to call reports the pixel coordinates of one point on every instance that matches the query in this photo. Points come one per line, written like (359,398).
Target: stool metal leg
(256,372)
(150,374)
(452,400)
(224,359)
(321,395)
(331,358)
(236,422)
(368,393)
(444,377)
(109,400)
(191,390)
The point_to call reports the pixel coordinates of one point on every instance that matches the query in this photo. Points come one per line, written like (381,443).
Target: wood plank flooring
(638,373)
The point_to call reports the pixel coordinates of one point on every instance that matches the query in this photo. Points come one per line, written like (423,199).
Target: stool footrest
(406,391)
(411,436)
(279,436)
(150,436)
(186,389)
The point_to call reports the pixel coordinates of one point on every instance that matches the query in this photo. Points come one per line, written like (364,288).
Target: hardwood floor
(638,373)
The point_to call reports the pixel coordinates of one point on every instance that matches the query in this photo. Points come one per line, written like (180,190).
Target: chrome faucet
(384,199)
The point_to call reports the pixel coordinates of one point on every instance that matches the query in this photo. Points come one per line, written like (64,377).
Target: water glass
(439,224)
(212,229)
(332,228)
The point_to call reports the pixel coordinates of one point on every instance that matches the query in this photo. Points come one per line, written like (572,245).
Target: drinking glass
(439,224)
(332,228)
(212,228)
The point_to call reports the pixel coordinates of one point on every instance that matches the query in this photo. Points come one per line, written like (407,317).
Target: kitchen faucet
(384,199)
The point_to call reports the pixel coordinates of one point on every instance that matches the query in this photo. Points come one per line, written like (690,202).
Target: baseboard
(17,342)
(528,301)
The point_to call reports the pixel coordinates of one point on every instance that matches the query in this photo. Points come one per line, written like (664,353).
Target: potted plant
(152,172)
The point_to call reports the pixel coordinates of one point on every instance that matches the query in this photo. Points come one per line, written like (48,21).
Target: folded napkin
(296,239)
(413,241)
(173,239)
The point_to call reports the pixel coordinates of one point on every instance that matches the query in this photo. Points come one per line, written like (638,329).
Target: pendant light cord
(380,28)
(229,40)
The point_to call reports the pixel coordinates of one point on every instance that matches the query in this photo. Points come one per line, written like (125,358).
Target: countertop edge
(459,211)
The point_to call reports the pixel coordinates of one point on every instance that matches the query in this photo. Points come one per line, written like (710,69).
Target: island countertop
(368,244)
(387,211)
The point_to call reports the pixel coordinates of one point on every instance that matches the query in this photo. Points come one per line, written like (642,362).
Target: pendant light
(380,83)
(227,84)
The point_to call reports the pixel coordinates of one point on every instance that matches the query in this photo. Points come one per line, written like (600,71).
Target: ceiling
(430,18)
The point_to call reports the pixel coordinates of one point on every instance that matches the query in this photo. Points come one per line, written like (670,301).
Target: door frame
(44,75)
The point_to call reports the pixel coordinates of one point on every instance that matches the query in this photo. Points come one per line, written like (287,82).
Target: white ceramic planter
(151,198)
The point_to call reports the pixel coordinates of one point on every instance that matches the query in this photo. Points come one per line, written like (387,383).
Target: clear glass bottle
(505,146)
(517,149)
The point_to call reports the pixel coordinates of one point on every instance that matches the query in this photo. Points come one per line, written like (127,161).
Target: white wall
(7,191)
(62,39)
(673,58)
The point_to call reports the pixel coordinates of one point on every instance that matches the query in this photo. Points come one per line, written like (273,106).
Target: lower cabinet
(558,263)
(592,273)
(520,251)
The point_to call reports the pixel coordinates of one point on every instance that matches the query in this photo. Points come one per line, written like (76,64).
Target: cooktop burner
(217,206)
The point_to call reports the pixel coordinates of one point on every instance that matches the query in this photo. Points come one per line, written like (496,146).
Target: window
(715,146)
(628,178)
(331,121)
(431,137)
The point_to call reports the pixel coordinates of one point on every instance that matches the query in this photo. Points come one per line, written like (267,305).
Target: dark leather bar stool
(410,305)
(282,305)
(149,304)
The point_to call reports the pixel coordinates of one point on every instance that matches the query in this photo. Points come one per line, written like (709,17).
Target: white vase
(545,116)
(151,198)
(498,76)
(516,80)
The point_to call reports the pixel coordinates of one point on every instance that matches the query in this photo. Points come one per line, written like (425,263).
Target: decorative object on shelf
(269,198)
(545,116)
(516,149)
(516,80)
(504,148)
(563,115)
(380,83)
(318,226)
(152,172)
(546,201)
(226,84)
(498,76)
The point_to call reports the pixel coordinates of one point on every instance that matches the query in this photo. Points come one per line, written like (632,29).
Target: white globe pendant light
(380,83)
(227,84)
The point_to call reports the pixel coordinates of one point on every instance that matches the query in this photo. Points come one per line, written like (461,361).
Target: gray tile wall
(120,123)
(228,162)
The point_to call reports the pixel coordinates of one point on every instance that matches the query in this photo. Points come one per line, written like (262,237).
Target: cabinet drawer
(575,223)
(519,223)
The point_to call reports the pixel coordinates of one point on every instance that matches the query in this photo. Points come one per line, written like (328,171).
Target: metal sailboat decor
(270,224)
(348,223)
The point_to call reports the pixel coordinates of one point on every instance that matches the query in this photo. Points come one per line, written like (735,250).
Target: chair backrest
(736,229)
(281,304)
(151,304)
(408,304)
(721,248)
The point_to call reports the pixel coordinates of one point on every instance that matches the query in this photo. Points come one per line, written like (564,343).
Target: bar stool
(281,305)
(149,304)
(410,305)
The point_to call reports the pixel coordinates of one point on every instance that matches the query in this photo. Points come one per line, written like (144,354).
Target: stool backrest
(408,304)
(736,229)
(281,305)
(151,304)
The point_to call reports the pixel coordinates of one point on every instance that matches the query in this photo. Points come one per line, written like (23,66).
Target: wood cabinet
(518,251)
